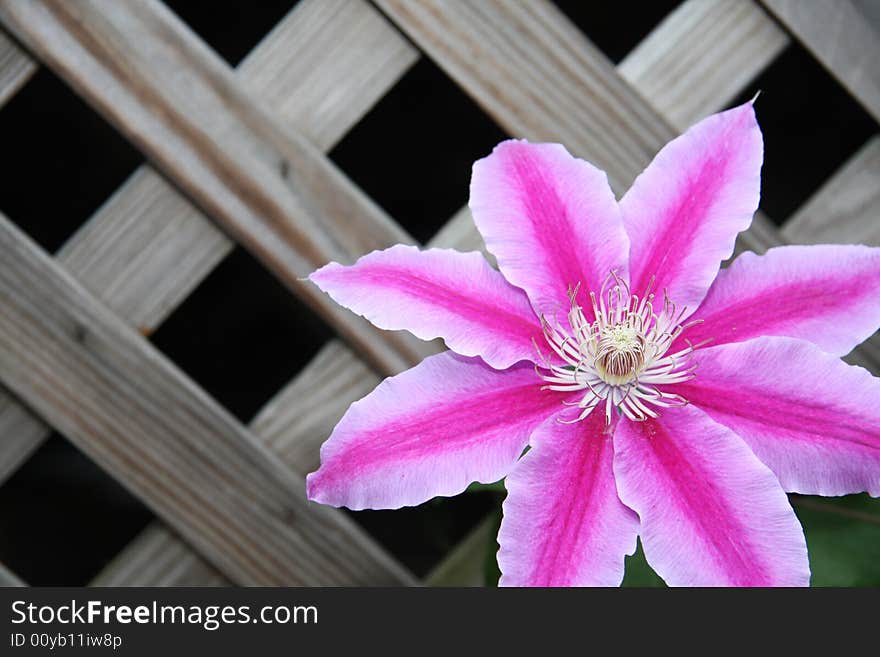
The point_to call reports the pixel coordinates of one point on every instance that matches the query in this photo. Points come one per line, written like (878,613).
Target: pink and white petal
(684,211)
(563,522)
(432,430)
(810,417)
(438,293)
(711,513)
(827,294)
(550,219)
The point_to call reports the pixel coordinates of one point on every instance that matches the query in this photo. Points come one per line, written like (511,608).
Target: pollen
(621,358)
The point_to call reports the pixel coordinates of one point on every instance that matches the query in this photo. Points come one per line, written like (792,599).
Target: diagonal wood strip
(840,37)
(16,68)
(274,192)
(701,57)
(134,413)
(148,247)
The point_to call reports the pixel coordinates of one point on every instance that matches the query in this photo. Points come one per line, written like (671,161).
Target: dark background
(241,335)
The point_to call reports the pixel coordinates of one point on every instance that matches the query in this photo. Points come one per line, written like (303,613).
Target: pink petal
(551,220)
(711,513)
(828,294)
(810,417)
(563,523)
(438,293)
(684,211)
(430,431)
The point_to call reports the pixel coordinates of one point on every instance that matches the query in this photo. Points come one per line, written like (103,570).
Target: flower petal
(828,294)
(432,430)
(438,293)
(684,211)
(711,513)
(563,522)
(810,417)
(551,220)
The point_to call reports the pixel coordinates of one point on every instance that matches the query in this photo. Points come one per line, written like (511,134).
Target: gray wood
(269,188)
(16,68)
(135,414)
(701,57)
(847,207)
(840,37)
(148,247)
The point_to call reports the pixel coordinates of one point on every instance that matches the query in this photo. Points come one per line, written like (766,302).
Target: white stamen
(620,358)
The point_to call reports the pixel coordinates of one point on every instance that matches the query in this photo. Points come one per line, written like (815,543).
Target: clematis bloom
(658,395)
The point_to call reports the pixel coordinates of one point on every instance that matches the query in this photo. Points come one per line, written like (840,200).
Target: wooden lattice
(248,148)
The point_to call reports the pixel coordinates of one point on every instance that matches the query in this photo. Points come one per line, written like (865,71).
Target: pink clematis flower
(659,396)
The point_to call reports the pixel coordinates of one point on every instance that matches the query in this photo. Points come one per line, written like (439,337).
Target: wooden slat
(8,578)
(465,564)
(293,424)
(840,37)
(847,207)
(326,65)
(157,557)
(16,68)
(135,414)
(267,186)
(701,56)
(148,247)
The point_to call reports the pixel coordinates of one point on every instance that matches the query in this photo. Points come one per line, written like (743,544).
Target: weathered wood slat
(542,79)
(16,68)
(701,56)
(8,578)
(157,557)
(135,414)
(148,247)
(326,65)
(465,564)
(293,425)
(840,37)
(847,207)
(267,186)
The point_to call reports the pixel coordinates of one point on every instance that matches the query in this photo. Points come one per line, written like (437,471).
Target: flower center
(620,358)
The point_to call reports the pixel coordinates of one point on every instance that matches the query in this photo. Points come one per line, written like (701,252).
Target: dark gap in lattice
(231,27)
(413,152)
(616,27)
(811,127)
(241,335)
(60,161)
(62,518)
(422,536)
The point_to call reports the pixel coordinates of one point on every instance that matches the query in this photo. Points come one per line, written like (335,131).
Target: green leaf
(495,487)
(843,538)
(639,573)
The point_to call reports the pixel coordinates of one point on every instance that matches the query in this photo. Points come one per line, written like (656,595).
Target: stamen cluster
(621,356)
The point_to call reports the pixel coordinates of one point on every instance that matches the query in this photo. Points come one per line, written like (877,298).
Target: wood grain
(268,187)
(701,57)
(840,37)
(148,247)
(847,207)
(136,415)
(16,68)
